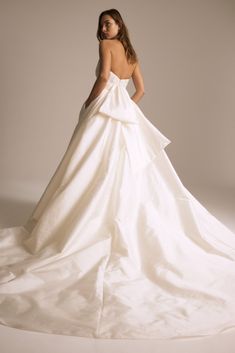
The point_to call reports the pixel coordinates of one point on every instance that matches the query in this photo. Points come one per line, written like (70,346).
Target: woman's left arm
(105,67)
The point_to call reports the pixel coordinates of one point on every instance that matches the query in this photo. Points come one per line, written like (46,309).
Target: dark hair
(122,35)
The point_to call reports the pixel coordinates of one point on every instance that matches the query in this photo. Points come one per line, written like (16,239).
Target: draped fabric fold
(118,97)
(117,247)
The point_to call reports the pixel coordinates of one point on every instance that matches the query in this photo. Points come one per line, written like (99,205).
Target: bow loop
(118,104)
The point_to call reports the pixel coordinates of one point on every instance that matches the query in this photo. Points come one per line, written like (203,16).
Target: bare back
(119,64)
(124,70)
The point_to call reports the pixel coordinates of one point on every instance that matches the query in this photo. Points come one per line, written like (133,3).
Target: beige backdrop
(49,53)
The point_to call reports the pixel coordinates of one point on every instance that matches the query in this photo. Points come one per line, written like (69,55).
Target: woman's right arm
(138,83)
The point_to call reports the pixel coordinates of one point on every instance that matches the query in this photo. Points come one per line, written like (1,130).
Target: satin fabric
(117,247)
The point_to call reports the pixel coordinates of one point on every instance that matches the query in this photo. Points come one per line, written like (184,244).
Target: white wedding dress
(117,247)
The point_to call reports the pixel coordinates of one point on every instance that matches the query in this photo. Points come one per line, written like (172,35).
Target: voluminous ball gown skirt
(117,247)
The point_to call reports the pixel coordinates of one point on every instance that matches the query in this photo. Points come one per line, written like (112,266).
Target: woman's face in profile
(109,27)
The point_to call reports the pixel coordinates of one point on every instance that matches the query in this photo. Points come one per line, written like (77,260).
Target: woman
(117,247)
(116,55)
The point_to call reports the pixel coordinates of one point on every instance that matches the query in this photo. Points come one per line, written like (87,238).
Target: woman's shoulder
(109,42)
(105,42)
(105,45)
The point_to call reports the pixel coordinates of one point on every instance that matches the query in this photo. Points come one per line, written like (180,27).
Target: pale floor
(220,202)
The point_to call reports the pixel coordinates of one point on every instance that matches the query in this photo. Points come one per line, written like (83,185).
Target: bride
(116,55)
(117,247)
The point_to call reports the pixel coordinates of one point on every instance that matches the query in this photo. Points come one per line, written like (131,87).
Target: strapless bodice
(113,78)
